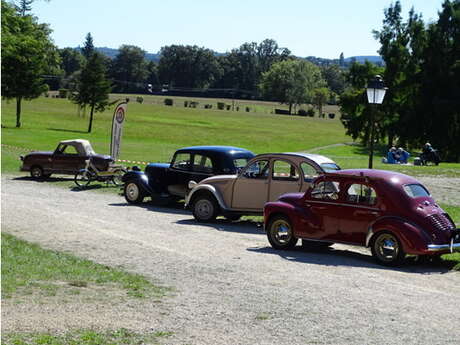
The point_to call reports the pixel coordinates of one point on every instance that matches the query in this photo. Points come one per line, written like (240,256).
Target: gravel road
(230,286)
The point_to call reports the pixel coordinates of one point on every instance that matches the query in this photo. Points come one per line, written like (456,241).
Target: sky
(322,28)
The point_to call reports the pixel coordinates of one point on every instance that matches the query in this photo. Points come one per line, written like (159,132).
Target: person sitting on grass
(391,156)
(403,155)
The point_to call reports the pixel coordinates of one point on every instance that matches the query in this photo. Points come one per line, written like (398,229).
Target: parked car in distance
(392,213)
(265,178)
(170,180)
(68,158)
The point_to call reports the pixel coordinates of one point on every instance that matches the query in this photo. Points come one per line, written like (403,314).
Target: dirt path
(231,287)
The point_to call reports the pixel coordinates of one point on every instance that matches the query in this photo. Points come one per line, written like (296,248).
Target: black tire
(36,172)
(205,208)
(117,177)
(387,249)
(133,192)
(82,178)
(280,233)
(315,245)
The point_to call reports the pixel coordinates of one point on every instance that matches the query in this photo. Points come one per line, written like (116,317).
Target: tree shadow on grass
(67,130)
(345,257)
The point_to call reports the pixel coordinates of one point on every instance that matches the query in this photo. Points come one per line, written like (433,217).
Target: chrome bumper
(442,247)
(454,244)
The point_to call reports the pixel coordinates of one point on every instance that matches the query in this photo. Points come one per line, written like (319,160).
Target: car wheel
(387,250)
(117,176)
(82,178)
(280,233)
(133,194)
(37,172)
(205,208)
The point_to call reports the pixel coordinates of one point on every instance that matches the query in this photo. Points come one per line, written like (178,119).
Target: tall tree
(129,69)
(92,87)
(291,82)
(27,53)
(71,60)
(24,7)
(88,47)
(188,66)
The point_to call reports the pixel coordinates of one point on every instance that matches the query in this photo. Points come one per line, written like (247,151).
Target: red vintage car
(389,212)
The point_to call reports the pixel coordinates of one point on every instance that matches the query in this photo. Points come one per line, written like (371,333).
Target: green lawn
(21,275)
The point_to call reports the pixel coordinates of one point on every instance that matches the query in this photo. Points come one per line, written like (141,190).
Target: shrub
(185,104)
(169,101)
(220,105)
(311,112)
(228,106)
(237,108)
(208,106)
(140,99)
(281,111)
(248,109)
(331,115)
(302,112)
(194,104)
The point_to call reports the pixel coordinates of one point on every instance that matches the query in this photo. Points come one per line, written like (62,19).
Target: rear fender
(209,189)
(412,237)
(140,178)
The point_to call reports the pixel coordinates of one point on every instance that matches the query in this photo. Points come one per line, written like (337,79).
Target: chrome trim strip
(342,204)
(440,247)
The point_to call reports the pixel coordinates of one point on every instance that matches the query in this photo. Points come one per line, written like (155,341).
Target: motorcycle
(430,156)
(90,173)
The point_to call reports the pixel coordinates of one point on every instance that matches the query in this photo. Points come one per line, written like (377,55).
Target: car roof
(214,148)
(318,159)
(393,177)
(75,142)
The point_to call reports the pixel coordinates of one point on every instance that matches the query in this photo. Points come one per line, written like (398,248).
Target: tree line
(421,72)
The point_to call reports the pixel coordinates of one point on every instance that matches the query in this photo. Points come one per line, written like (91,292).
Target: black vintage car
(170,180)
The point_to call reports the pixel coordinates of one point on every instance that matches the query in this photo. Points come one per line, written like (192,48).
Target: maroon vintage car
(68,158)
(389,212)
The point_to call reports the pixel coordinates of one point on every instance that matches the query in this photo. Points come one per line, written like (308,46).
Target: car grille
(441,222)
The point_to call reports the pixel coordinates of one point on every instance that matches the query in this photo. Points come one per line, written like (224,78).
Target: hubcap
(387,247)
(282,232)
(204,209)
(36,172)
(132,191)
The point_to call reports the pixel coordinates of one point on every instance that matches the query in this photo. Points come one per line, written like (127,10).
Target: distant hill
(361,59)
(112,52)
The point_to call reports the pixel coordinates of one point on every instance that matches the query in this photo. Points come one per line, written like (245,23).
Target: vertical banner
(117,128)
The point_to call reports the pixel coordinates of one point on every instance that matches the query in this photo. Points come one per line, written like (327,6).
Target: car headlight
(191,184)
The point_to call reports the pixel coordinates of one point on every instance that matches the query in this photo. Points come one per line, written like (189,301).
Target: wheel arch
(413,238)
(208,190)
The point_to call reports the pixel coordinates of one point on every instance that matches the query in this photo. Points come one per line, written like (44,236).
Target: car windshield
(416,190)
(330,167)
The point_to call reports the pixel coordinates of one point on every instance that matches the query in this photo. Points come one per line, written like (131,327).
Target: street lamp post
(375,93)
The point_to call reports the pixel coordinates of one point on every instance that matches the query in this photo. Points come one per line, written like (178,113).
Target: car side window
(284,171)
(182,161)
(326,190)
(257,170)
(202,164)
(308,171)
(66,150)
(362,194)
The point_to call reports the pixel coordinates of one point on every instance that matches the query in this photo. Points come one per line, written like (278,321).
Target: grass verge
(84,337)
(27,269)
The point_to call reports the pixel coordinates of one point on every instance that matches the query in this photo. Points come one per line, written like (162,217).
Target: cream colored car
(265,178)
